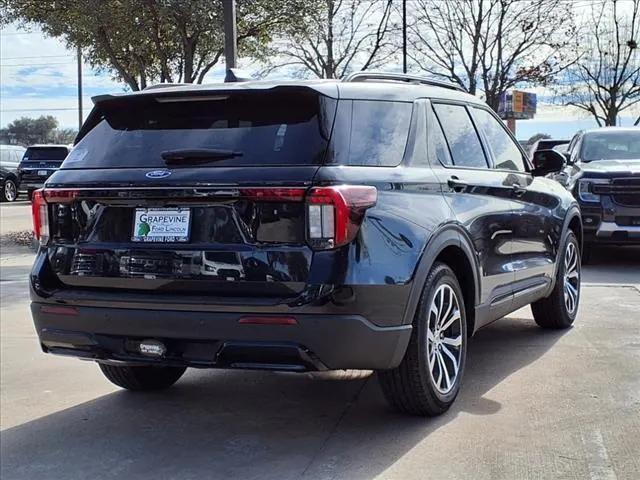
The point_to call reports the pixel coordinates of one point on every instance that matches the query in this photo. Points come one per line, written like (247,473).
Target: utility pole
(404,36)
(230,33)
(79,88)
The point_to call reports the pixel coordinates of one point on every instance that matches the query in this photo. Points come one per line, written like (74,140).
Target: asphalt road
(534,404)
(15,216)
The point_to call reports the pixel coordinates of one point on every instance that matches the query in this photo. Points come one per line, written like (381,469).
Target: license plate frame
(164,225)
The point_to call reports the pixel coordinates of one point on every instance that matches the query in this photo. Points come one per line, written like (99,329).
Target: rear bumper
(205,339)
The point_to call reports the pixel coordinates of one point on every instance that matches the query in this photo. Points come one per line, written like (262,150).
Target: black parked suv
(38,163)
(371,223)
(603,173)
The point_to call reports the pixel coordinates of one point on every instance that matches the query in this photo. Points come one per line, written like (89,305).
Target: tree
(141,41)
(491,45)
(606,79)
(336,37)
(63,136)
(27,131)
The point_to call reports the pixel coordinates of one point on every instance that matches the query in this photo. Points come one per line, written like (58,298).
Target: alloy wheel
(444,339)
(571,278)
(10,191)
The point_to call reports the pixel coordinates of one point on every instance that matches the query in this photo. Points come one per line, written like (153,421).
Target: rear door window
(370,133)
(506,153)
(462,138)
(260,128)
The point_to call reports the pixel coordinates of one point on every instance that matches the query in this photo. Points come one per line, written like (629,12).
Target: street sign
(517,105)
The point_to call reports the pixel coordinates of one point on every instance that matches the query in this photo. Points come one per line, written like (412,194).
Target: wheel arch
(449,245)
(574,224)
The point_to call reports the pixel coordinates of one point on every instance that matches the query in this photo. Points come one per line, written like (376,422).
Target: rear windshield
(34,154)
(272,128)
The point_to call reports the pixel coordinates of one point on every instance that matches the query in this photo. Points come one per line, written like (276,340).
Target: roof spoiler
(236,75)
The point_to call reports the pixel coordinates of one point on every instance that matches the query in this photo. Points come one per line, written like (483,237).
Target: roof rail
(401,77)
(165,85)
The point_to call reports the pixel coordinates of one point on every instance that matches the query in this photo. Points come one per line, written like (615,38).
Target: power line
(36,64)
(38,56)
(35,109)
(19,33)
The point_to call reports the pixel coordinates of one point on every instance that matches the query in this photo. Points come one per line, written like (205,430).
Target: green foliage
(27,131)
(144,41)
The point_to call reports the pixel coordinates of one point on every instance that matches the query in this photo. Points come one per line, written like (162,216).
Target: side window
(371,133)
(464,144)
(439,142)
(507,154)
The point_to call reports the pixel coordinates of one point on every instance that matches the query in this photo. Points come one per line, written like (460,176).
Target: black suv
(371,223)
(603,173)
(38,163)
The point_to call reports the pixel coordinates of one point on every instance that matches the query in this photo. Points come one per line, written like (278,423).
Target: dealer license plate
(161,225)
(43,173)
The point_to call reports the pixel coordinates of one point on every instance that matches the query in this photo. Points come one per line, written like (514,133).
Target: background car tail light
(40,217)
(334,214)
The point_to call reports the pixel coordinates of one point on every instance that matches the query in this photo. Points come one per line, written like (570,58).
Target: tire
(413,386)
(142,378)
(559,310)
(9,191)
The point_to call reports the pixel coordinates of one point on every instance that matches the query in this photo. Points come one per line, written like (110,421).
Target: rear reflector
(269,320)
(58,310)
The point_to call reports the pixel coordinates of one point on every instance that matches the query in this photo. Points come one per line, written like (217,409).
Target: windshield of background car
(611,146)
(265,128)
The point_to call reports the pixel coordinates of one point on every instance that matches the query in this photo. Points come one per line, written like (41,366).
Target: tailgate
(247,240)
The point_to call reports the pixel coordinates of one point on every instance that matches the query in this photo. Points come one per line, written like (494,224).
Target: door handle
(456,184)
(518,190)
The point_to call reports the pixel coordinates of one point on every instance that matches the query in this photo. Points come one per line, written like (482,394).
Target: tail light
(40,202)
(334,214)
(40,216)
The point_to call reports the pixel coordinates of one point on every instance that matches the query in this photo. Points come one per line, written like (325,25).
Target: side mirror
(546,162)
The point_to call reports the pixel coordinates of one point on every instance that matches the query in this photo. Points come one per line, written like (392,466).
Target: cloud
(38,76)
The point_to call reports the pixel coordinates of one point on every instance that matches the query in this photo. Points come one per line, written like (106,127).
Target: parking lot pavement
(15,217)
(534,404)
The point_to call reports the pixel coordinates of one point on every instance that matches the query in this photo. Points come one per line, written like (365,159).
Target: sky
(38,76)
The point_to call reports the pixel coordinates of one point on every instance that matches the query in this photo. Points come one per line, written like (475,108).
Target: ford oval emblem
(158,174)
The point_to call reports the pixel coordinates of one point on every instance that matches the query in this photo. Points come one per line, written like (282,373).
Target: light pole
(404,36)
(79,88)
(230,34)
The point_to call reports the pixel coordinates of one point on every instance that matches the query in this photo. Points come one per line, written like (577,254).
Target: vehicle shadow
(233,424)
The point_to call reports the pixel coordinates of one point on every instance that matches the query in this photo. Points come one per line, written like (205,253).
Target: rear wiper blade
(197,155)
